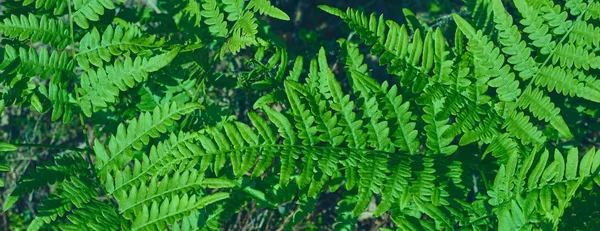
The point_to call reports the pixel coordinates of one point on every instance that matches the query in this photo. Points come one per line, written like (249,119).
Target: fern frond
(372,168)
(157,190)
(510,38)
(394,47)
(76,200)
(395,110)
(489,63)
(264,7)
(355,136)
(97,49)
(58,171)
(47,30)
(443,66)
(569,55)
(45,64)
(102,87)
(556,18)
(593,11)
(564,82)
(243,34)
(585,34)
(518,125)
(90,10)
(161,158)
(58,6)
(549,186)
(136,135)
(535,27)
(61,99)
(502,147)
(288,156)
(436,128)
(542,108)
(486,130)
(159,215)
(405,134)
(214,18)
(306,132)
(234,9)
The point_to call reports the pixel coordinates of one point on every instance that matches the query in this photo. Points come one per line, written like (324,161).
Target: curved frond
(43,63)
(57,6)
(265,7)
(550,184)
(96,49)
(30,27)
(136,135)
(542,108)
(214,18)
(159,215)
(101,87)
(90,10)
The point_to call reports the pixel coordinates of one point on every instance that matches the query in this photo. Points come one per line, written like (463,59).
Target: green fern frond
(90,10)
(393,47)
(535,27)
(569,55)
(556,18)
(264,7)
(76,200)
(489,63)
(97,49)
(518,125)
(136,135)
(585,34)
(405,134)
(234,9)
(502,147)
(510,38)
(157,190)
(57,6)
(30,28)
(542,108)
(593,11)
(159,215)
(436,128)
(61,99)
(564,82)
(58,171)
(163,156)
(102,87)
(44,64)
(243,34)
(214,18)
(550,186)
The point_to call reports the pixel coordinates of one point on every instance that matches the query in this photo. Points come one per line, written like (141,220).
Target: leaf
(4,168)
(7,147)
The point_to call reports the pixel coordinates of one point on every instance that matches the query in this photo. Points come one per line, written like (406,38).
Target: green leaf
(7,147)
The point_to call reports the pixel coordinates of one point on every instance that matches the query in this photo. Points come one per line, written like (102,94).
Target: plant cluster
(475,123)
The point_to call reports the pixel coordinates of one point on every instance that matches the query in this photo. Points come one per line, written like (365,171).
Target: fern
(137,134)
(96,49)
(47,30)
(103,85)
(182,130)
(90,10)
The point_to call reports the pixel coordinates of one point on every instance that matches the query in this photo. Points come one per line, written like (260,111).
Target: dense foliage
(188,114)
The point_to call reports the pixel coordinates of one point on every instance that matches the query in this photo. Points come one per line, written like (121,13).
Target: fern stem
(48,146)
(71,29)
(77,96)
